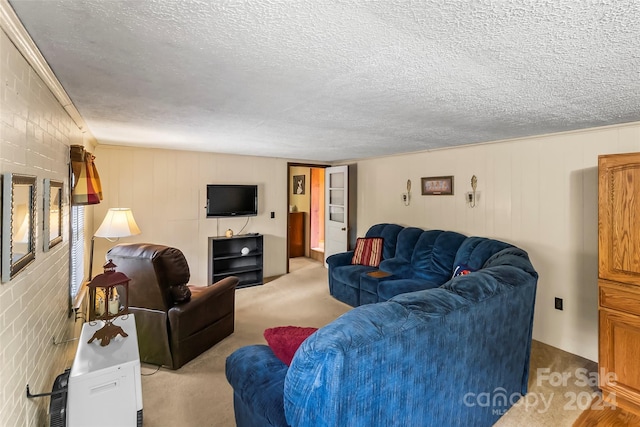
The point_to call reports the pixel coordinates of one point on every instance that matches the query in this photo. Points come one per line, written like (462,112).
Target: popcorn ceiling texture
(330,80)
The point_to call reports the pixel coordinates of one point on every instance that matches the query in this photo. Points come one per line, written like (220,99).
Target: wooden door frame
(289,166)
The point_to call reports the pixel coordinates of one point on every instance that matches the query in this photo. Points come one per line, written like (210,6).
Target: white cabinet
(104,383)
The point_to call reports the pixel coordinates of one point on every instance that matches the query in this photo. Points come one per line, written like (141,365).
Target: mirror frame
(10,267)
(51,190)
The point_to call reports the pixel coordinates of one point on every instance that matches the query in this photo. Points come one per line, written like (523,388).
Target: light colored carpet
(198,394)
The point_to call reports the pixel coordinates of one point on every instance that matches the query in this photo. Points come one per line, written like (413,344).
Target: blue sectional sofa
(452,355)
(420,259)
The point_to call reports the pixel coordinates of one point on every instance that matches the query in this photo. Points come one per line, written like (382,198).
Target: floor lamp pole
(93,240)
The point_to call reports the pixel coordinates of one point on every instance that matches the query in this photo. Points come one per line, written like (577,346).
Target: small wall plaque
(437,186)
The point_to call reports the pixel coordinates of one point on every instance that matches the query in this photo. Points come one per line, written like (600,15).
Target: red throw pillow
(285,340)
(368,251)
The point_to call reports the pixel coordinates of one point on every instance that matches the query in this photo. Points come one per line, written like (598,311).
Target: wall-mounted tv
(231,200)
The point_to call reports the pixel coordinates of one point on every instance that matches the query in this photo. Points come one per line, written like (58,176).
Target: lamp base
(108,332)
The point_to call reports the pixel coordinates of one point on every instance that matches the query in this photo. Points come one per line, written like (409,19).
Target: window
(77,250)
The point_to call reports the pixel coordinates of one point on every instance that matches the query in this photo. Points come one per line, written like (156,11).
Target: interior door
(336,210)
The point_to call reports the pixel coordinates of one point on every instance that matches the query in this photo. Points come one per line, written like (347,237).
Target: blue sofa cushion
(508,267)
(513,256)
(388,289)
(407,240)
(400,264)
(350,274)
(434,253)
(436,303)
(397,267)
(475,251)
(389,232)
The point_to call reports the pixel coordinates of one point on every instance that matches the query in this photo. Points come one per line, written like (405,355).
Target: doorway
(306,206)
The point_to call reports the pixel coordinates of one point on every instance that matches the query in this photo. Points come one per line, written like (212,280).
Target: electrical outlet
(558,303)
(273,214)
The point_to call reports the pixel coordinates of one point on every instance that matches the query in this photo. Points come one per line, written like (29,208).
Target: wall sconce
(406,197)
(114,290)
(472,196)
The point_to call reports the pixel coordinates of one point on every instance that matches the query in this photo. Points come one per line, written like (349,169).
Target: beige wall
(166,190)
(35,132)
(538,193)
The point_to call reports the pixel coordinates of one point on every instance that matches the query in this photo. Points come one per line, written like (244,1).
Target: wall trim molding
(499,141)
(16,32)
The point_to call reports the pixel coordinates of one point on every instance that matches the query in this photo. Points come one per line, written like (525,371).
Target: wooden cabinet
(296,234)
(619,278)
(228,257)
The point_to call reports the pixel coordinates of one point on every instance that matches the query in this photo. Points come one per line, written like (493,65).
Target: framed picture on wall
(437,186)
(52,213)
(298,184)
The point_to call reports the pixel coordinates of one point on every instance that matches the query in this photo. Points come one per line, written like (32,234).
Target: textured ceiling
(330,80)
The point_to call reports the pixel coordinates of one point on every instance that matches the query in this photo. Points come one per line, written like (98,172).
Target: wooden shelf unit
(226,259)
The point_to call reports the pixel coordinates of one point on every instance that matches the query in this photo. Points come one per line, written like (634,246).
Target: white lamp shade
(118,222)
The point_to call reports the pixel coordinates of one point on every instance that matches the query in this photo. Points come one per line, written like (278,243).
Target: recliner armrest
(207,304)
(215,289)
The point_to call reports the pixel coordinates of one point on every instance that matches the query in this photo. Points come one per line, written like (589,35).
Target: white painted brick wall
(35,134)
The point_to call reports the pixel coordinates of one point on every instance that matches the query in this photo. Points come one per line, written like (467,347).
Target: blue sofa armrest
(337,260)
(257,377)
(342,258)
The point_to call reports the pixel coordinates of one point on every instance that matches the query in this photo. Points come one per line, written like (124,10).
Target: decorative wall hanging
(86,186)
(52,214)
(298,184)
(437,186)
(18,223)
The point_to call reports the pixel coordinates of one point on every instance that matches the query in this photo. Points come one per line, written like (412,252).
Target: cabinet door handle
(344,229)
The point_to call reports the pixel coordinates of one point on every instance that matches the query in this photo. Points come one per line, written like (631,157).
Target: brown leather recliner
(175,322)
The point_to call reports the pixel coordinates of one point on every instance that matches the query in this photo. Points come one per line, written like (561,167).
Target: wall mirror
(18,223)
(52,213)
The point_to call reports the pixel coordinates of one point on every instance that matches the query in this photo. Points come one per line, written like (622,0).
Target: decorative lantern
(108,299)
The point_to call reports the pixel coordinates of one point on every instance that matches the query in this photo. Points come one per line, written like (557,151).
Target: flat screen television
(231,200)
